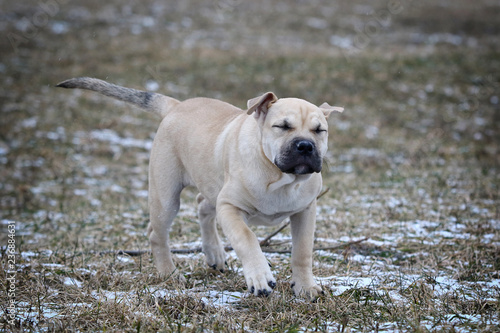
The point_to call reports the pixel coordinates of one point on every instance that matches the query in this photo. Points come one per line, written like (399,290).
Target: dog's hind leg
(161,219)
(164,201)
(215,255)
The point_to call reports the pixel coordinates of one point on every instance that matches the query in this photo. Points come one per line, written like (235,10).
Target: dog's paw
(262,289)
(310,292)
(215,257)
(260,283)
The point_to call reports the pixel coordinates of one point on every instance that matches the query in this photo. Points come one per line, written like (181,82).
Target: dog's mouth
(299,157)
(299,166)
(301,169)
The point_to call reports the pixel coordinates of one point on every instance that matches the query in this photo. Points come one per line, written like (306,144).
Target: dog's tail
(152,102)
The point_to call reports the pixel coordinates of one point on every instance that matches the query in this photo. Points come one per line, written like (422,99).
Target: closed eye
(319,130)
(285,126)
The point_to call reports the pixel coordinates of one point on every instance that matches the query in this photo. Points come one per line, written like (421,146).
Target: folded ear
(261,104)
(327,109)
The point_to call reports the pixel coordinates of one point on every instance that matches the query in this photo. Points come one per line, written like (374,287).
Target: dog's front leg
(303,225)
(258,276)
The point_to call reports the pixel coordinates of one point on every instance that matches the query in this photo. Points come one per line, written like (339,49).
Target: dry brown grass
(413,163)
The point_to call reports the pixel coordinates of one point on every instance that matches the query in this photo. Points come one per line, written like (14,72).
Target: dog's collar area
(287,179)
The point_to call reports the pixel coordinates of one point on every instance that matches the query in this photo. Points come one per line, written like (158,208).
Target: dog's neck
(287,179)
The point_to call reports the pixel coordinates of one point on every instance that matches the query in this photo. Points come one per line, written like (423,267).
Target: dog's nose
(305,147)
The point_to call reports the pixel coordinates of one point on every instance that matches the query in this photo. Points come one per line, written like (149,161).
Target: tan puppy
(254,167)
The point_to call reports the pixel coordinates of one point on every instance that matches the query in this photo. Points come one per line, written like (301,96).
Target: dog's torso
(223,159)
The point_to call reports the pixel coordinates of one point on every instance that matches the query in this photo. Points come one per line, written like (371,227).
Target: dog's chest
(266,220)
(277,206)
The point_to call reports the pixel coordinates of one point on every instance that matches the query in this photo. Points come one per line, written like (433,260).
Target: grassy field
(413,169)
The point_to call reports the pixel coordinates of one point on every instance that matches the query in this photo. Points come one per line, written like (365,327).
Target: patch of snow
(112,137)
(152,85)
(79,192)
(125,259)
(317,23)
(30,122)
(141,193)
(222,298)
(51,265)
(69,281)
(342,42)
(59,27)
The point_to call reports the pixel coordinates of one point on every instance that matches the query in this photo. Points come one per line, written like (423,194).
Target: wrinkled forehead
(296,110)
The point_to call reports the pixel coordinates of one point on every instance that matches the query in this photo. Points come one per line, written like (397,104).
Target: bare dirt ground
(412,170)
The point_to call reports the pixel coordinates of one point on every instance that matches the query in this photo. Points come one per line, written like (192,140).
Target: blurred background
(419,81)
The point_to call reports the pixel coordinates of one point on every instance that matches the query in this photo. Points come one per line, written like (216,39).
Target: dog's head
(294,132)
